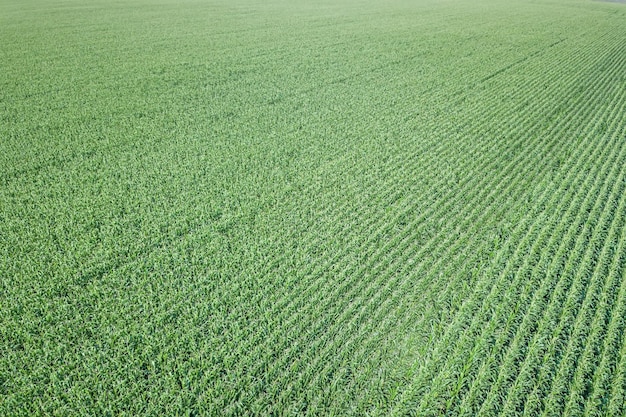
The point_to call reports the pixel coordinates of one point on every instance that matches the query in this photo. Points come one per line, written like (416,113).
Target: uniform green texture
(293,207)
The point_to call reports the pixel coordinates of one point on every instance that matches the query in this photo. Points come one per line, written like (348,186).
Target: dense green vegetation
(352,207)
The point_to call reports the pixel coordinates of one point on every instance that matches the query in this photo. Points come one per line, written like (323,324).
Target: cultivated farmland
(346,207)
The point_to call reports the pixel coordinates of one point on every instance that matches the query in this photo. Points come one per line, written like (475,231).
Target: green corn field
(312,207)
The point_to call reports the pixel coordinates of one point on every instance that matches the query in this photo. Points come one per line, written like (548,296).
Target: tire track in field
(398,290)
(61,164)
(102,269)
